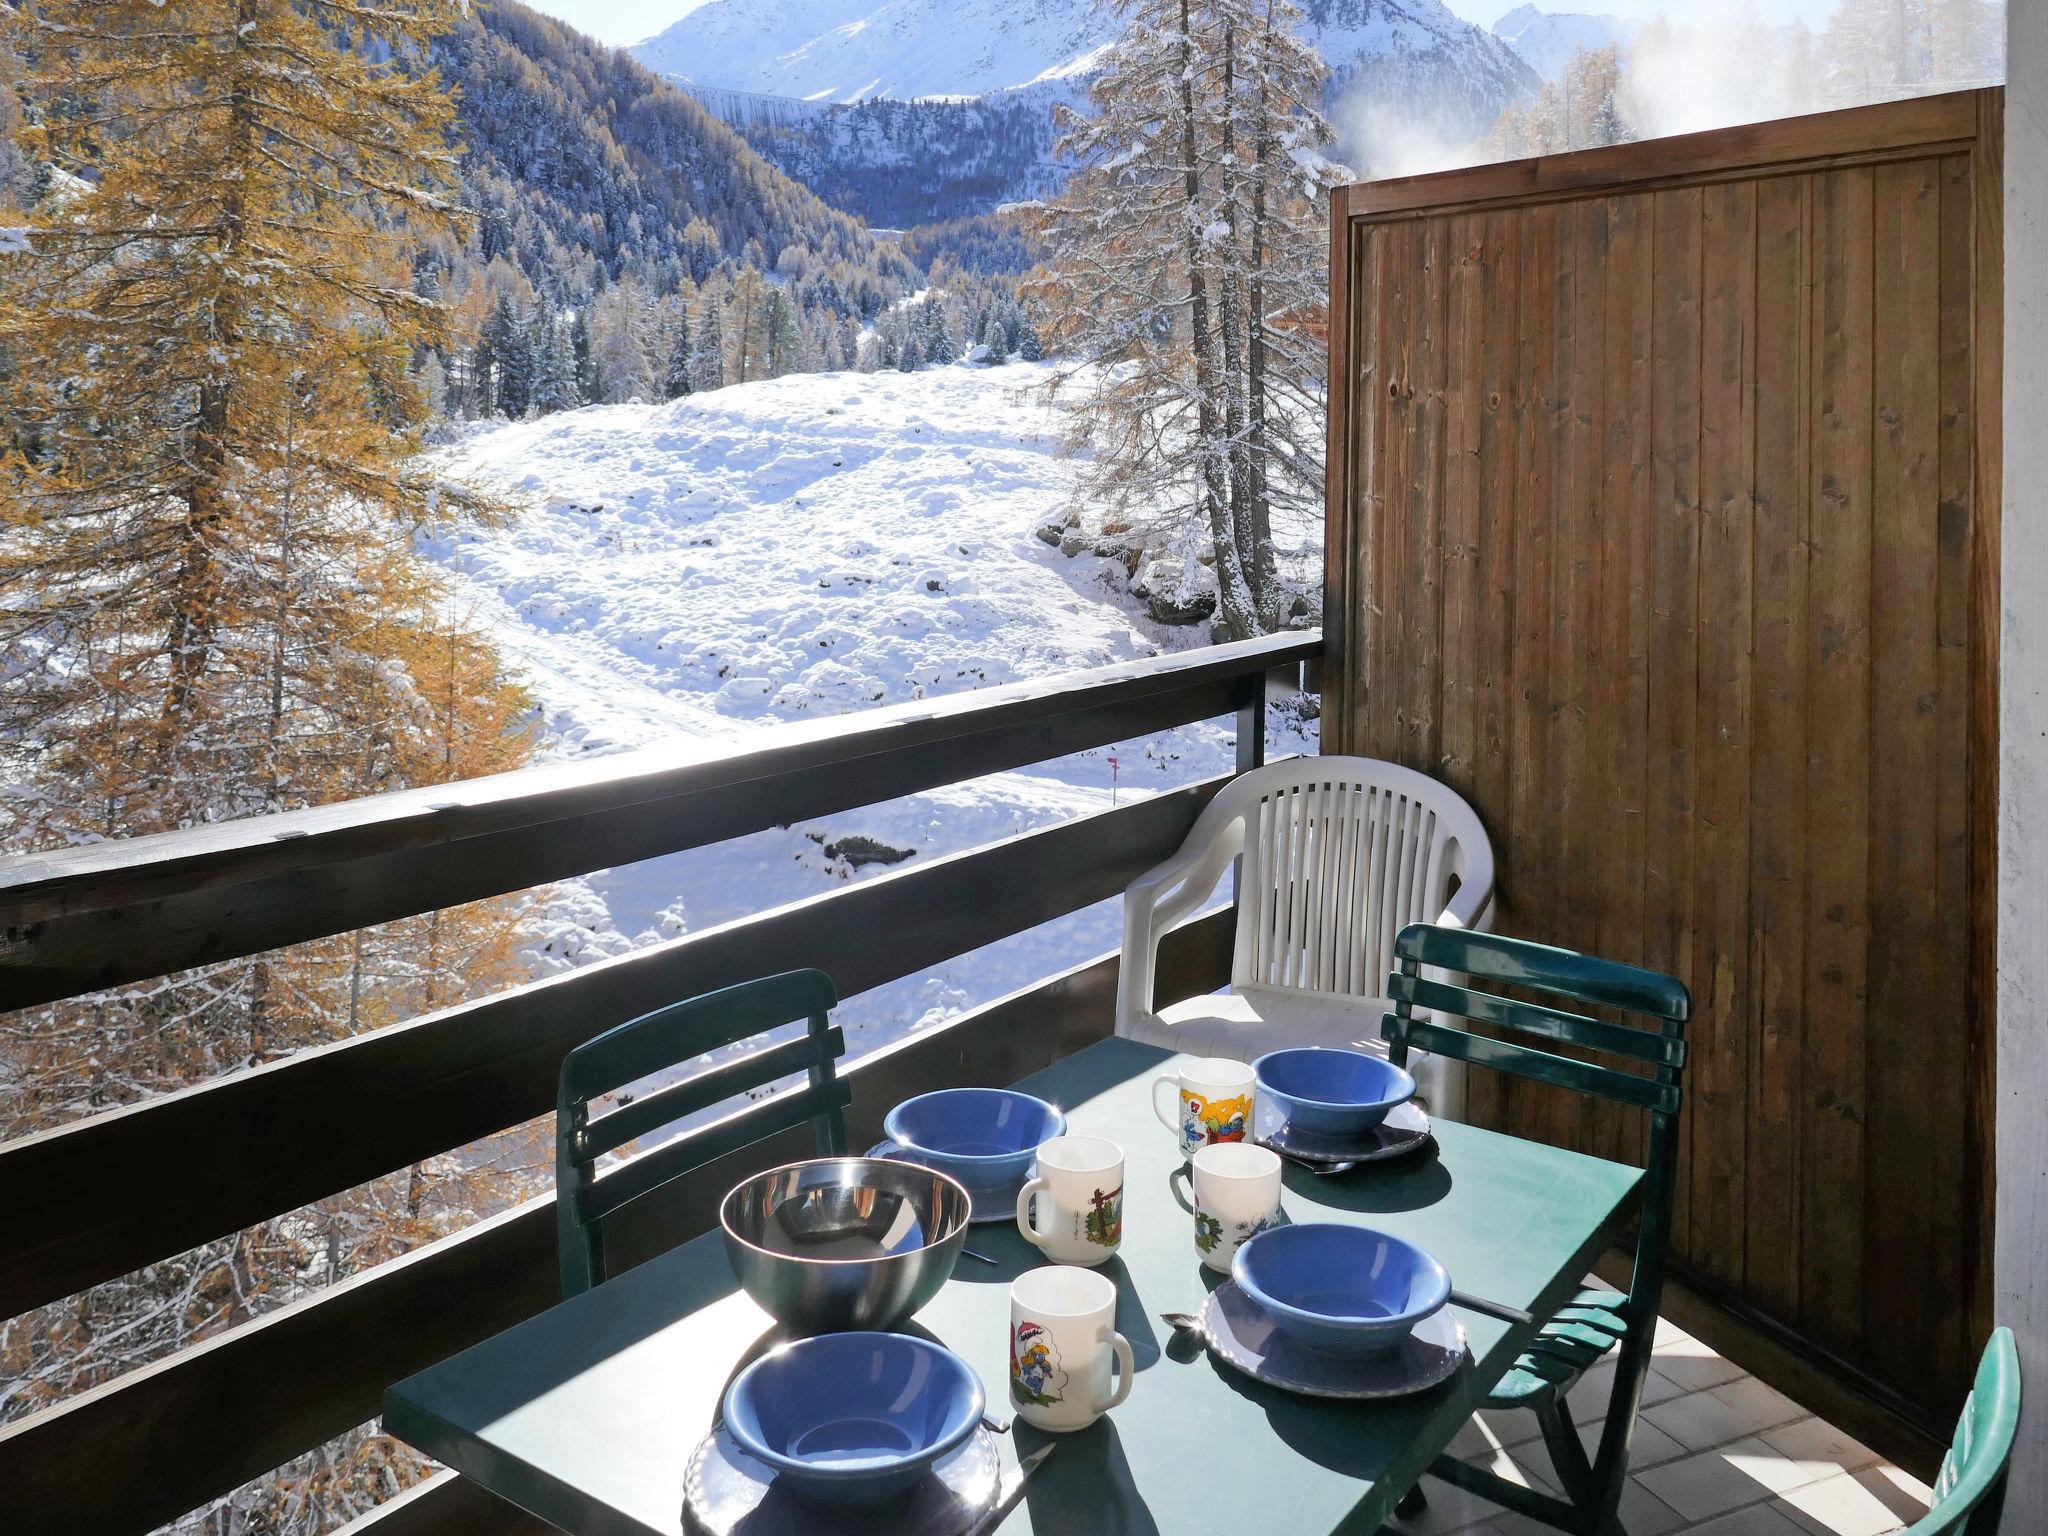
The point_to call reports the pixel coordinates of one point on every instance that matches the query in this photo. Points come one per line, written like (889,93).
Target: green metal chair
(662,1039)
(1594,1321)
(1969,1495)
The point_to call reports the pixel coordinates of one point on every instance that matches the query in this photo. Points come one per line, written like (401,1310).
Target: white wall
(2022,1211)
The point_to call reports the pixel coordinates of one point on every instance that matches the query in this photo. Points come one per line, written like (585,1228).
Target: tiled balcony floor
(1717,1453)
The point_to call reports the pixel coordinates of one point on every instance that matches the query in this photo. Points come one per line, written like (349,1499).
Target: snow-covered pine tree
(1184,283)
(1287,276)
(935,332)
(781,346)
(621,355)
(586,369)
(555,385)
(217,610)
(707,361)
(676,381)
(510,338)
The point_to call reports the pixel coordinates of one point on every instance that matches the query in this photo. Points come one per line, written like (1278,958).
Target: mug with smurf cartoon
(1207,1102)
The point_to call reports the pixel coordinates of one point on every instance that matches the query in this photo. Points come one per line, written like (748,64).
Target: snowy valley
(810,545)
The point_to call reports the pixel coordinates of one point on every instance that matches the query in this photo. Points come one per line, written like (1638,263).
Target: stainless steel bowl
(844,1242)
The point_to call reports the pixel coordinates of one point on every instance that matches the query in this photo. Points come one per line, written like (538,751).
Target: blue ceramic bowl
(984,1137)
(850,1417)
(1332,1092)
(1349,1290)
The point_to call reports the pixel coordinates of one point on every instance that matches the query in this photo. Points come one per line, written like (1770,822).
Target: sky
(627,21)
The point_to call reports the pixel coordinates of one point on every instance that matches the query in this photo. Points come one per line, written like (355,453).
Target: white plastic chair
(1340,853)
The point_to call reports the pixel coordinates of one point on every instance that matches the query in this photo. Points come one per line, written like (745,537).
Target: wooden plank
(89,917)
(99,1198)
(1578,431)
(1722,991)
(1422,604)
(1911,1026)
(1954,1233)
(1371,393)
(1832,1152)
(213,1416)
(1498,493)
(447,1505)
(1340,465)
(1906,129)
(1529,877)
(1625,524)
(1463,600)
(1387,661)
(1780,712)
(1672,758)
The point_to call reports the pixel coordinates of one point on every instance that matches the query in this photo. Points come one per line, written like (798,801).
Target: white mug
(1062,1340)
(1211,1102)
(1237,1196)
(1080,1193)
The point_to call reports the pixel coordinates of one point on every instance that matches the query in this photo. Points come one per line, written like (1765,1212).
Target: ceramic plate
(998,1203)
(728,1493)
(1242,1336)
(1405,1129)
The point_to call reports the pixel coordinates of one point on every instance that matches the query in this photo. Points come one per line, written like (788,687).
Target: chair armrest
(1471,905)
(1156,902)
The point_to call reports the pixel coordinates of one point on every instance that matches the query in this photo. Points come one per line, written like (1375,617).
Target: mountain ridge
(956,95)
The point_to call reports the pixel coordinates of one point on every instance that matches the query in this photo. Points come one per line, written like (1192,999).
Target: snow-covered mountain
(903,163)
(856,50)
(1547,40)
(1412,61)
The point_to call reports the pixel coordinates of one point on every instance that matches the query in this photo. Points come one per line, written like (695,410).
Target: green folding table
(587,1414)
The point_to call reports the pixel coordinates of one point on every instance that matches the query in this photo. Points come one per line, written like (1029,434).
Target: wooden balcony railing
(98,1199)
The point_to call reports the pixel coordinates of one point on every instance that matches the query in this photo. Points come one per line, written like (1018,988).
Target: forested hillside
(625,244)
(578,157)
(901,163)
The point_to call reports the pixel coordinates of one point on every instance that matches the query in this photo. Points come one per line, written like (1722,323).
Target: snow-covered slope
(810,545)
(1547,40)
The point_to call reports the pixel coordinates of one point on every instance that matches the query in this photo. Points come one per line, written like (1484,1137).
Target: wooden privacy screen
(1662,525)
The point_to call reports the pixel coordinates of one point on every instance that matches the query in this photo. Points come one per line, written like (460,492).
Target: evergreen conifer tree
(215,609)
(676,380)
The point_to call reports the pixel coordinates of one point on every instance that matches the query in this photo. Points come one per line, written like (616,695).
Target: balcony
(1537,564)
(100,1198)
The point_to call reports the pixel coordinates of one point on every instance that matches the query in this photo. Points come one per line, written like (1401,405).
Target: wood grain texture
(1715,602)
(447,1505)
(97,1198)
(84,918)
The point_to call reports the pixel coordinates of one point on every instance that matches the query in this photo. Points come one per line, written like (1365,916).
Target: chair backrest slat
(1339,855)
(1551,1024)
(1969,1495)
(665,1106)
(651,1170)
(659,1040)
(1543,1067)
(1518,962)
(666,1038)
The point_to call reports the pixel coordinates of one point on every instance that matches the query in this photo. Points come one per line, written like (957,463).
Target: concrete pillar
(2021,1264)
